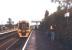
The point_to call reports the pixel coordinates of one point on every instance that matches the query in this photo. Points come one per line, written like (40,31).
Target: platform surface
(40,41)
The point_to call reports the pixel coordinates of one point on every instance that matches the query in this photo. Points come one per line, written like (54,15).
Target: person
(52,32)
(52,35)
(49,35)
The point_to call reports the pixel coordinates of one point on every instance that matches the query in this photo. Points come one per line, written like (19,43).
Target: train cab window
(20,25)
(27,24)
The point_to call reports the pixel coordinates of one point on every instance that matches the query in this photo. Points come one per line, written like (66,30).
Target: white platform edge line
(27,41)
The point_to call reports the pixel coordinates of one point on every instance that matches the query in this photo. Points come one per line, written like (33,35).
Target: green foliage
(10,23)
(63,27)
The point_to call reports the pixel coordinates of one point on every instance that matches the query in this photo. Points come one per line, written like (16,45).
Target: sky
(29,10)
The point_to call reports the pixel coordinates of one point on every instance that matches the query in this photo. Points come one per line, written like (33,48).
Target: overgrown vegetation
(62,25)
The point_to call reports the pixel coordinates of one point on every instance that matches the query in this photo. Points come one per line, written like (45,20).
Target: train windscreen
(23,26)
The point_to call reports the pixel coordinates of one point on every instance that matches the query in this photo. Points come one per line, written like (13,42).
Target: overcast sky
(24,9)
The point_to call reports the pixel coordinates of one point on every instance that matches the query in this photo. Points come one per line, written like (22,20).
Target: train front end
(23,29)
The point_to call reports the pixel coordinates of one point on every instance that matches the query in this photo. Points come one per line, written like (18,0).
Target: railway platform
(7,31)
(39,41)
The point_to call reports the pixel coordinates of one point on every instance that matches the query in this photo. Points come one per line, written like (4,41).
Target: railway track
(7,40)
(10,41)
(6,44)
(3,36)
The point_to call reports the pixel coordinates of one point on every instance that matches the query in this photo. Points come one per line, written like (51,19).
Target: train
(23,29)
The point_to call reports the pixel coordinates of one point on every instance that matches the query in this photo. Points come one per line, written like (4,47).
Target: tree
(46,14)
(66,27)
(10,23)
(63,3)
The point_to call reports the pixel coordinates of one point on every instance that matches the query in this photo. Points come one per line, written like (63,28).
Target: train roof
(23,21)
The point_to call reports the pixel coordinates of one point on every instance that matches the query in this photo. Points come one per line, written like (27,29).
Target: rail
(7,35)
(12,44)
(7,31)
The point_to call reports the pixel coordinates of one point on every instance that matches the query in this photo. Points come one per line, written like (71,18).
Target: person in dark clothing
(49,35)
(51,32)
